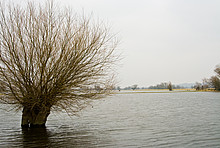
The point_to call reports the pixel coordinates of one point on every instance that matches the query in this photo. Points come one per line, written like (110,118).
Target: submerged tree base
(34,118)
(33,126)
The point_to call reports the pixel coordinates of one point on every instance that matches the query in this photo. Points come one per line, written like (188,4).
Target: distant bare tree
(50,57)
(118,88)
(133,87)
(169,86)
(198,86)
(215,80)
(205,83)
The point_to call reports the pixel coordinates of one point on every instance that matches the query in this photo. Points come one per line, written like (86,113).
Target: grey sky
(161,40)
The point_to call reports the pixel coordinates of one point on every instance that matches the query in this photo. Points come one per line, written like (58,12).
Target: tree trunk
(34,117)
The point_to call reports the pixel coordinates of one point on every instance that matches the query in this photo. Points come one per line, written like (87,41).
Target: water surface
(182,119)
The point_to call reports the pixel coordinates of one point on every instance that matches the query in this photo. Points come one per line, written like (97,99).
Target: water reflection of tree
(36,137)
(63,137)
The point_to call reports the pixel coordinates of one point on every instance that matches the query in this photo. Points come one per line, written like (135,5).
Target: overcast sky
(161,40)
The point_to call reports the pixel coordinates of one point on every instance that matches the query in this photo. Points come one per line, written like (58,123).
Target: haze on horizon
(161,40)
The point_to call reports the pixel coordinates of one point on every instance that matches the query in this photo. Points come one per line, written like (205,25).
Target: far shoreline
(162,91)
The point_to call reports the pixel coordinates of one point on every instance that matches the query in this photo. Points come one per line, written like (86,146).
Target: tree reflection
(62,137)
(36,137)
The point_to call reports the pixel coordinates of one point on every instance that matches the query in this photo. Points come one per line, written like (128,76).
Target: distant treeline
(164,86)
(207,83)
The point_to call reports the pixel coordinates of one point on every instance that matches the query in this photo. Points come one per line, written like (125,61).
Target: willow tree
(52,59)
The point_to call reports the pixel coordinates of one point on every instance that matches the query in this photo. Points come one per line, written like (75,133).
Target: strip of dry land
(161,91)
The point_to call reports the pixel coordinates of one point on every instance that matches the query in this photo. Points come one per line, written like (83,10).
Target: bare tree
(50,60)
(169,86)
(133,87)
(217,70)
(205,83)
(215,80)
(198,86)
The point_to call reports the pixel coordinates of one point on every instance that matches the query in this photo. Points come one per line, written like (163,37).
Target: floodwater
(181,119)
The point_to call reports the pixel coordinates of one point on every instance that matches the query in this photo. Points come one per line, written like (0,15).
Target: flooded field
(181,119)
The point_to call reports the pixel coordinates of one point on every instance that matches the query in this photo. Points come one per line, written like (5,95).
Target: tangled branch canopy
(53,59)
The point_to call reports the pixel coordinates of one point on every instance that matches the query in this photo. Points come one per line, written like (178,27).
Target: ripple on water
(126,120)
